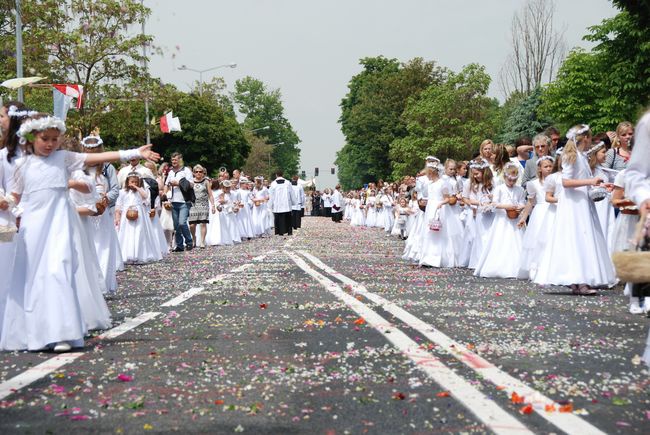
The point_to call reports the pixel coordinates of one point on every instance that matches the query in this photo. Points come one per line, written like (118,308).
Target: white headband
(40,124)
(541,159)
(573,133)
(559,151)
(594,149)
(91,145)
(511,165)
(13,112)
(480,164)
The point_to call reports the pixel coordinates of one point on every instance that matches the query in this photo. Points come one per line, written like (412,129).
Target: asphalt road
(329,331)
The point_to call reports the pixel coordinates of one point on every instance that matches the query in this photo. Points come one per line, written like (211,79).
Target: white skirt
(483,223)
(501,254)
(43,302)
(138,242)
(107,247)
(624,231)
(440,248)
(540,225)
(213,236)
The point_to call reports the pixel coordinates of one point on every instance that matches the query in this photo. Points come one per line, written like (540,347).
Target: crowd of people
(548,210)
(56,277)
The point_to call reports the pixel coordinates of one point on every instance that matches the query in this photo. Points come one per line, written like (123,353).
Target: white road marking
(35,373)
(14,384)
(183,297)
(485,409)
(566,421)
(128,325)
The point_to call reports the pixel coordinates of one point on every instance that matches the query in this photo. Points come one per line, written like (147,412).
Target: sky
(310,49)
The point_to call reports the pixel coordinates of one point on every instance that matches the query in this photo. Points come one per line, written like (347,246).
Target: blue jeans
(180,213)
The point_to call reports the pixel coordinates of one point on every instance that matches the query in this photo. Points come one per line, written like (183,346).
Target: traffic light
(303,175)
(316,172)
(333,171)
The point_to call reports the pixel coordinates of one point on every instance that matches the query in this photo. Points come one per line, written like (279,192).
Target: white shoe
(636,309)
(62,346)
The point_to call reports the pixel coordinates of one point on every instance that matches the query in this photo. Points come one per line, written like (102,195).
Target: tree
(371,114)
(87,42)
(449,120)
(524,119)
(259,158)
(211,136)
(537,48)
(263,108)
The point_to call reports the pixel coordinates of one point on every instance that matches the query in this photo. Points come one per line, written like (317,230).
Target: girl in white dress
(478,196)
(501,255)
(379,208)
(439,247)
(387,209)
(413,243)
(225,207)
(402,213)
(245,204)
(539,226)
(415,211)
(576,254)
(371,210)
(43,308)
(213,236)
(606,216)
(358,217)
(138,241)
(260,199)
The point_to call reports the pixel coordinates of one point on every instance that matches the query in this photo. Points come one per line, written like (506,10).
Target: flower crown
(594,149)
(511,165)
(541,159)
(40,124)
(574,132)
(13,112)
(479,164)
(85,140)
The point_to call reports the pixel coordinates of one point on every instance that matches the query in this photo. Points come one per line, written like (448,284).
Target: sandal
(585,290)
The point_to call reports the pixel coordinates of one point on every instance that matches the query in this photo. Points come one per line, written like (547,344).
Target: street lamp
(201,71)
(266,127)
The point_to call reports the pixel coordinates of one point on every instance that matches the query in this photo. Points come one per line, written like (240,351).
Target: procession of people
(546,212)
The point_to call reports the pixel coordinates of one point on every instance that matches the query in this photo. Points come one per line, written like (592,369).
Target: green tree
(523,119)
(449,120)
(371,114)
(261,108)
(211,136)
(611,83)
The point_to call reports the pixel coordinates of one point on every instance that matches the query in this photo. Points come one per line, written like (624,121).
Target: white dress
(605,210)
(371,212)
(387,211)
(501,254)
(138,241)
(358,217)
(538,229)
(158,230)
(576,251)
(213,235)
(7,218)
(43,302)
(244,216)
(625,225)
(229,234)
(379,207)
(260,212)
(482,224)
(439,248)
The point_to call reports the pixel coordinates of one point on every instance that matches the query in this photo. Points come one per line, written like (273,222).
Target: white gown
(358,217)
(244,216)
(371,212)
(138,240)
(605,210)
(482,224)
(538,229)
(260,212)
(440,248)
(501,254)
(576,251)
(213,236)
(625,225)
(43,302)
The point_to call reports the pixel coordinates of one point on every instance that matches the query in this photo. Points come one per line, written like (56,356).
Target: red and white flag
(74,91)
(169,123)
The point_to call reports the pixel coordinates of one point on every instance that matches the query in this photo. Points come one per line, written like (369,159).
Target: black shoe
(189,248)
(177,249)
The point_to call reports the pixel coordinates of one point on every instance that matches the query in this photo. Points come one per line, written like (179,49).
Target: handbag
(435,224)
(634,266)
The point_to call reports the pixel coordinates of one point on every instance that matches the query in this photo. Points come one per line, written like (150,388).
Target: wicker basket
(513,213)
(101,207)
(167,205)
(453,200)
(132,214)
(7,233)
(632,266)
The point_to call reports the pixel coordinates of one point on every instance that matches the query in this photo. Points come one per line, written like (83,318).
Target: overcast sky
(310,49)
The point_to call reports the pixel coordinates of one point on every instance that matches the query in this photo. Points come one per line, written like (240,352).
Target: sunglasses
(199,172)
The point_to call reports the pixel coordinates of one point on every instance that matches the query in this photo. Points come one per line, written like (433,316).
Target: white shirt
(336,201)
(298,197)
(177,195)
(281,196)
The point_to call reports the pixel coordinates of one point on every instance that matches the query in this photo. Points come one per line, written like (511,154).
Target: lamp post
(272,145)
(201,71)
(266,127)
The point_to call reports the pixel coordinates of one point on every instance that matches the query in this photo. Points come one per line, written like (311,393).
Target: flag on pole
(63,96)
(169,123)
